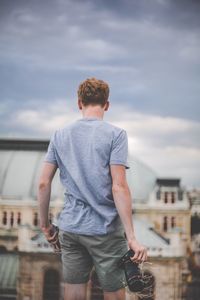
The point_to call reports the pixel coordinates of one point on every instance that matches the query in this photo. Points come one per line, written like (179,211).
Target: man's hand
(47,230)
(51,234)
(140,251)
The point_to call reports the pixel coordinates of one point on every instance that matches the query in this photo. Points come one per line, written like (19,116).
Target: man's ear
(80,105)
(106,106)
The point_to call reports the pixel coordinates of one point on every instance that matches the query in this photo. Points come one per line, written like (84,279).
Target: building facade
(161,215)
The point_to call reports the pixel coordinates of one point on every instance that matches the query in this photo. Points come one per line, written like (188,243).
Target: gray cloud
(148,51)
(169,145)
(51,44)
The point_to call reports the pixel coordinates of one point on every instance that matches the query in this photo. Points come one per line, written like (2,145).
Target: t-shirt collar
(90,119)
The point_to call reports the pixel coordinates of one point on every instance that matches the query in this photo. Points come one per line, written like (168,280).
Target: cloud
(40,123)
(148,52)
(170,146)
(162,131)
(151,64)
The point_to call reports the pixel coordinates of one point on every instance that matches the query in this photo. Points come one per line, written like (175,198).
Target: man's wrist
(46,228)
(130,238)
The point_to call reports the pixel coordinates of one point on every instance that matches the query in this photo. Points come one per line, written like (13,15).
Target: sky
(148,51)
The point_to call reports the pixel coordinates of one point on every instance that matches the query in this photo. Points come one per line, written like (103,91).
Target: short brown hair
(93,91)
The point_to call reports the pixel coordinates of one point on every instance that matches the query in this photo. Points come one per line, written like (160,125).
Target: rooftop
(168,182)
(9,264)
(23,144)
(21,161)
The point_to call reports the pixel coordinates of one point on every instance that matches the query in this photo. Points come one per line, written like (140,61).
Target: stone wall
(167,273)
(32,267)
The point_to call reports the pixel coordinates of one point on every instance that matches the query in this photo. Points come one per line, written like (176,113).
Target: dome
(19,175)
(21,163)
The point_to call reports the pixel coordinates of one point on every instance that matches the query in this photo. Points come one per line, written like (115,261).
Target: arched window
(173,197)
(166,197)
(35,219)
(4,221)
(51,288)
(11,219)
(3,249)
(173,222)
(165,227)
(18,218)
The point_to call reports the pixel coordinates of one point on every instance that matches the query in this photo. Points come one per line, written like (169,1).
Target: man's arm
(44,194)
(123,203)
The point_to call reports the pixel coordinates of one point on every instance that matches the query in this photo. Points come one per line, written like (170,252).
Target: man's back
(91,155)
(83,152)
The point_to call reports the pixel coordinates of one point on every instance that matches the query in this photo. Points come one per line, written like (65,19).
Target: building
(194,198)
(161,215)
(194,250)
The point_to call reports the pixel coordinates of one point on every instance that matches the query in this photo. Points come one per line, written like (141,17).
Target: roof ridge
(23,144)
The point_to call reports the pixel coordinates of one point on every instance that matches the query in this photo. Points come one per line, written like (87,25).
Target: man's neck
(93,112)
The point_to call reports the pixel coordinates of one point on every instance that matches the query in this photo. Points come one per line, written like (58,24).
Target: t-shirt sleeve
(119,151)
(50,155)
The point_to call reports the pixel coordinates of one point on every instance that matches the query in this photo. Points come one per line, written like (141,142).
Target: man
(91,155)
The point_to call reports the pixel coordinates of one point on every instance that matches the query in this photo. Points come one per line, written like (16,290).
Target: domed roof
(20,171)
(19,175)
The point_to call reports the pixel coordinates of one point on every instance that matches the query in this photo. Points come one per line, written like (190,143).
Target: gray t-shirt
(83,151)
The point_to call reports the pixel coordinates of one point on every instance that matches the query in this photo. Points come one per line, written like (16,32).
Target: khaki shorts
(81,252)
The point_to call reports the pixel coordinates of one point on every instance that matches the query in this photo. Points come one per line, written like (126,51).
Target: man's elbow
(120,188)
(43,184)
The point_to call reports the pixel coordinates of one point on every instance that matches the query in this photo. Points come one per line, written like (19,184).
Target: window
(3,250)
(173,222)
(166,197)
(165,227)
(4,221)
(173,197)
(11,219)
(35,219)
(51,285)
(18,218)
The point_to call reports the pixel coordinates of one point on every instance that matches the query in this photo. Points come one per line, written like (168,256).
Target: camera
(54,239)
(133,273)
